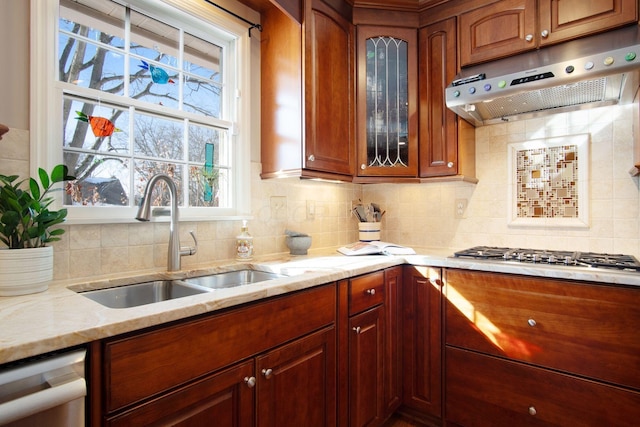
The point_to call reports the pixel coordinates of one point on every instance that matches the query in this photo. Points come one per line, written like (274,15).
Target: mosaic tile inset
(547,181)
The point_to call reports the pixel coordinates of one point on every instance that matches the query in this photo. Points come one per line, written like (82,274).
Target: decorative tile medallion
(548,180)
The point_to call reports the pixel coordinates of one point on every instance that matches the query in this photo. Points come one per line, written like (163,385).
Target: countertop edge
(60,318)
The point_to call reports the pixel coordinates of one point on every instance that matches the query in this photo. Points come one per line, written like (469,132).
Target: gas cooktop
(541,256)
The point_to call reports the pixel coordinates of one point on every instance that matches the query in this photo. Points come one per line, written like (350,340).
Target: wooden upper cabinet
(307,93)
(500,29)
(509,27)
(387,140)
(447,143)
(329,91)
(565,19)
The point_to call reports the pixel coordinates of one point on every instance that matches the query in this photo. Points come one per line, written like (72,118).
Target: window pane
(202,58)
(202,97)
(154,40)
(199,136)
(208,187)
(145,169)
(101,180)
(158,137)
(163,91)
(93,126)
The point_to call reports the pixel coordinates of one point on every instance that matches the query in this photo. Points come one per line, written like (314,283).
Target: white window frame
(46,101)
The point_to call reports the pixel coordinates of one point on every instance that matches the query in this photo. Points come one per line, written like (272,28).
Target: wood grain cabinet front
(307,91)
(369,341)
(198,357)
(559,344)
(509,27)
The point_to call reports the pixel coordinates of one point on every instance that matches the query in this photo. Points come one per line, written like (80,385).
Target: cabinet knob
(528,37)
(356,329)
(371,291)
(311,157)
(532,410)
(544,34)
(532,322)
(450,164)
(267,373)
(250,381)
(363,166)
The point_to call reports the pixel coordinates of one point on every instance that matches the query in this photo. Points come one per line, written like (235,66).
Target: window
(140,88)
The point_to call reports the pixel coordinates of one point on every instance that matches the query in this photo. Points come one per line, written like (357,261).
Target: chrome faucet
(144,214)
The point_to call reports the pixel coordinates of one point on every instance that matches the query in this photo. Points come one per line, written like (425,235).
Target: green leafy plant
(25,218)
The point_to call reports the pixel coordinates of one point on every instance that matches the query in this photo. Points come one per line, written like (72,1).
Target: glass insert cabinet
(387,102)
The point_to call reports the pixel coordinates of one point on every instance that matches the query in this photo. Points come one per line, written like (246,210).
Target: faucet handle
(190,250)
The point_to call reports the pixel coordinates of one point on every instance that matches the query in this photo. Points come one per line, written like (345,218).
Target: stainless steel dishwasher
(48,391)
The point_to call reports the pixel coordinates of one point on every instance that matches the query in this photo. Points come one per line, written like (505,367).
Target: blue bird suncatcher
(158,75)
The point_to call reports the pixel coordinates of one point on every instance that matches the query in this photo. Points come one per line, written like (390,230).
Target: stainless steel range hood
(591,72)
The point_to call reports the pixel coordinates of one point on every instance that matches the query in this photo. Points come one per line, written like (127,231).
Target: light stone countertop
(59,317)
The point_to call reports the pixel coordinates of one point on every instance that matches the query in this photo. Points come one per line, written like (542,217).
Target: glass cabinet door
(387,108)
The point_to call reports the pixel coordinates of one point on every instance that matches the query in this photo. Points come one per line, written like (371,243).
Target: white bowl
(298,245)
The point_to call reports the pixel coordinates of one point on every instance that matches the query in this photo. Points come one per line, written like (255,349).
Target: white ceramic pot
(25,271)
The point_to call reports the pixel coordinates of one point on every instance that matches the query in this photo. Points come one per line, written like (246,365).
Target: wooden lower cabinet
(369,348)
(533,351)
(269,363)
(486,391)
(422,342)
(296,384)
(222,399)
(366,345)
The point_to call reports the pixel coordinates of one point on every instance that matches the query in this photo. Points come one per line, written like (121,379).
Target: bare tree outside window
(133,111)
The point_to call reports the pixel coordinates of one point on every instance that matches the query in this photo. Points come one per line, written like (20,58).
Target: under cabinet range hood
(585,73)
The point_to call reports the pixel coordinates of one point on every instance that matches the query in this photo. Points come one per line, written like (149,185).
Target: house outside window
(138,88)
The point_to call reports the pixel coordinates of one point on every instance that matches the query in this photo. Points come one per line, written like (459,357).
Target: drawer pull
(250,381)
(532,410)
(267,373)
(371,291)
(532,322)
(356,329)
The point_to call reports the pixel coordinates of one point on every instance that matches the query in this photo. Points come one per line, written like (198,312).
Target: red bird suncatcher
(100,126)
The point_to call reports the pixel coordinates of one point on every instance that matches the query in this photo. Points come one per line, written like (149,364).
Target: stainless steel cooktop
(551,257)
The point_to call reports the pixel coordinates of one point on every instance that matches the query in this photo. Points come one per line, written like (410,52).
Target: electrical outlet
(278,207)
(311,209)
(461,208)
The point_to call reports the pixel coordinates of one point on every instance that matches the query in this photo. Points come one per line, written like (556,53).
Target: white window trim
(46,128)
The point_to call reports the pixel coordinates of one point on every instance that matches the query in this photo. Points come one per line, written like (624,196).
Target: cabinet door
(329,91)
(438,133)
(497,30)
(296,383)
(566,19)
(366,341)
(485,391)
(393,340)
(422,339)
(387,102)
(225,399)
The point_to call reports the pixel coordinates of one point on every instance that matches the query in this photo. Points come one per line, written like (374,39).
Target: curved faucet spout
(144,214)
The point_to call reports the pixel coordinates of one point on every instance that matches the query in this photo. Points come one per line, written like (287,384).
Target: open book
(374,248)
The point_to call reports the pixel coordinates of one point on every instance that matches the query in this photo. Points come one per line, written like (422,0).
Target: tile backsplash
(416,214)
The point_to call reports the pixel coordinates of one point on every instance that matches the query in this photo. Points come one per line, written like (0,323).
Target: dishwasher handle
(60,393)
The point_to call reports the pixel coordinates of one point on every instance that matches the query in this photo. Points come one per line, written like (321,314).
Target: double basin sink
(162,290)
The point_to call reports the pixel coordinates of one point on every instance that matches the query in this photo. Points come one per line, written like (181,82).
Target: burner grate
(553,257)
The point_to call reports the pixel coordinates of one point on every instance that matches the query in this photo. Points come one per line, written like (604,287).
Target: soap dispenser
(244,244)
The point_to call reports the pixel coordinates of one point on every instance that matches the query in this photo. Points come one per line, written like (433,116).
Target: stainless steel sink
(142,293)
(231,279)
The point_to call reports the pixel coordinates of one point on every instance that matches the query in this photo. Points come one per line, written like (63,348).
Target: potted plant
(27,225)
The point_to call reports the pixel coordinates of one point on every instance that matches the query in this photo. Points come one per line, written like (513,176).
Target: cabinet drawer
(577,327)
(145,364)
(487,391)
(365,292)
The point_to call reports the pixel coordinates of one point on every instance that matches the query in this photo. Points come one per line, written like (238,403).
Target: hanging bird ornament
(158,75)
(100,126)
